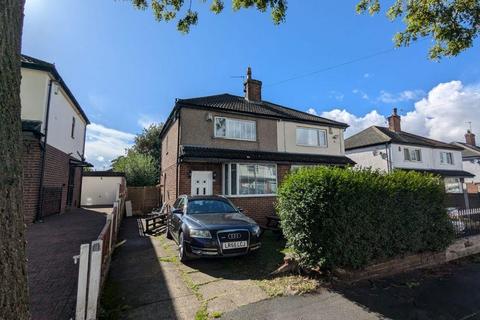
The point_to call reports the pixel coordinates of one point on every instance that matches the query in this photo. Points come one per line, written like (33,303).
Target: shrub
(350,218)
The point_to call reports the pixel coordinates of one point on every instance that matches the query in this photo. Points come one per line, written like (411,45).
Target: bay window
(311,137)
(235,129)
(250,179)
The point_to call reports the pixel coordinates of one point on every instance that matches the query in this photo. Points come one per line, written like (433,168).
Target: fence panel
(143,199)
(466,222)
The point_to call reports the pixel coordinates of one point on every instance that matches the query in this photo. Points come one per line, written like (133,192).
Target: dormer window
(236,129)
(446,158)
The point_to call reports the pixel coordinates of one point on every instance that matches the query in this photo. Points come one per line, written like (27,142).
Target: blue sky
(126,69)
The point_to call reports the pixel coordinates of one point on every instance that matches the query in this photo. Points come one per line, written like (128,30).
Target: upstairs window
(446,158)
(72,133)
(412,154)
(235,129)
(311,137)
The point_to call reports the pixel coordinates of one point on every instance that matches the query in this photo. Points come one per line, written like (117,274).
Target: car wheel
(182,254)
(167,232)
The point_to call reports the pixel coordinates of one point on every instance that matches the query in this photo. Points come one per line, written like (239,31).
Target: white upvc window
(249,179)
(237,129)
(412,154)
(311,137)
(453,185)
(446,158)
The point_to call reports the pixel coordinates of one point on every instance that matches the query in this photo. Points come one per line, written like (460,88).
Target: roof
(443,173)
(103,174)
(231,103)
(468,151)
(376,135)
(190,153)
(37,64)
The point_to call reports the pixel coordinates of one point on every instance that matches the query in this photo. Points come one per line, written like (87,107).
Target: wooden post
(95,278)
(82,282)
(110,221)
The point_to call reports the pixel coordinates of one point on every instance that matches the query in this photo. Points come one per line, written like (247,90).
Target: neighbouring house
(241,147)
(391,148)
(101,188)
(54,126)
(471,161)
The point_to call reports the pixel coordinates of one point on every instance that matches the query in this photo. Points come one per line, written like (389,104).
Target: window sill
(250,195)
(235,139)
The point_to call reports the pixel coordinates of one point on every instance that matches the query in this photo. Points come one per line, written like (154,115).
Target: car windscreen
(199,206)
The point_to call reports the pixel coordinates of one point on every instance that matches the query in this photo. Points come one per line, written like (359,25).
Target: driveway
(451,291)
(52,275)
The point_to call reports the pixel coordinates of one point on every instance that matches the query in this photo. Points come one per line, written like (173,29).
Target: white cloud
(442,114)
(146,121)
(104,144)
(337,95)
(362,94)
(373,118)
(407,95)
(312,111)
(367,75)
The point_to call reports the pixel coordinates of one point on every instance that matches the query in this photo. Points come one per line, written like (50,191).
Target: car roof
(222,198)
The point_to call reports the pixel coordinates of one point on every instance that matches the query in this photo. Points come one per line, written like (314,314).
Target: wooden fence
(94,262)
(144,199)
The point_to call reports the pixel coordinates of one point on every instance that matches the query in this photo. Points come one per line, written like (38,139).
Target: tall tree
(149,143)
(140,169)
(13,274)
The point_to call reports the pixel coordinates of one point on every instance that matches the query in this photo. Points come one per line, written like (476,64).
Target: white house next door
(202,183)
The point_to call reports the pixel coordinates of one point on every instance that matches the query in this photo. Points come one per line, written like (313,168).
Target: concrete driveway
(451,291)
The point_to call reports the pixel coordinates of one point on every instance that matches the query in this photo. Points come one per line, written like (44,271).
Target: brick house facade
(54,127)
(242,148)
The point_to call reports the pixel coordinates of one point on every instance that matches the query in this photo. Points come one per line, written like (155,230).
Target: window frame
(254,122)
(447,154)
(318,145)
(405,149)
(227,189)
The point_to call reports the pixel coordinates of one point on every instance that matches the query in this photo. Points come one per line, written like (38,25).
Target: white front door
(202,183)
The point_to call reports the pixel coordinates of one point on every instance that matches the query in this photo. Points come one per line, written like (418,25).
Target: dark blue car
(211,226)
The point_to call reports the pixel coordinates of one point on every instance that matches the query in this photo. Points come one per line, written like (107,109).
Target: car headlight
(195,233)
(256,230)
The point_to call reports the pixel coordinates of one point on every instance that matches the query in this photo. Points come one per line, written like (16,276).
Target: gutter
(38,216)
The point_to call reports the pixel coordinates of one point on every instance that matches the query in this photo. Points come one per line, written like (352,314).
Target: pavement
(451,291)
(52,275)
(146,281)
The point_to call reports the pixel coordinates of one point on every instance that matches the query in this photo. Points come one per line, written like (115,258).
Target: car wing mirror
(177,211)
(240,209)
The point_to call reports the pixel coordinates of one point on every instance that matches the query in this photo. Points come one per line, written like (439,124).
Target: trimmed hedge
(350,218)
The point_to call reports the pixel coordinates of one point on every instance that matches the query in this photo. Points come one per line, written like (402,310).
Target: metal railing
(466,222)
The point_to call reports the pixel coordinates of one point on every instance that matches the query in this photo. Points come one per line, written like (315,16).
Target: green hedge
(350,218)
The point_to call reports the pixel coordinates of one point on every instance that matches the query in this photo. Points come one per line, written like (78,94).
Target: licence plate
(234,245)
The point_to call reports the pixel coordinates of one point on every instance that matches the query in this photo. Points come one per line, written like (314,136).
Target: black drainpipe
(81,168)
(38,217)
(178,153)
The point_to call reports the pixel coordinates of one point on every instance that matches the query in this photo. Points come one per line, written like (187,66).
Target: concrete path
(147,281)
(52,275)
(451,291)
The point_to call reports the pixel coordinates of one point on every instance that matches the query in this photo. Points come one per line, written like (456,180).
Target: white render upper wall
(474,168)
(287,139)
(430,158)
(34,93)
(374,157)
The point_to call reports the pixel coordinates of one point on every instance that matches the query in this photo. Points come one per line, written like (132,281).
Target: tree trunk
(13,271)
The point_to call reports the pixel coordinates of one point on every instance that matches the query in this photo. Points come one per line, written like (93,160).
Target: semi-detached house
(54,127)
(242,147)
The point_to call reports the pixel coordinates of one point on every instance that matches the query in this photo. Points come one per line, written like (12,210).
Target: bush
(350,218)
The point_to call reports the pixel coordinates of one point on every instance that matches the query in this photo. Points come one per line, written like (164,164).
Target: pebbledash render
(54,126)
(242,147)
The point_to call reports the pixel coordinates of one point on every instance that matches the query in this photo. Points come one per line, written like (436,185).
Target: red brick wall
(31,176)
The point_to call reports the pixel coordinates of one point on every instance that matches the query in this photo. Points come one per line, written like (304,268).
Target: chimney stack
(252,88)
(470,138)
(394,121)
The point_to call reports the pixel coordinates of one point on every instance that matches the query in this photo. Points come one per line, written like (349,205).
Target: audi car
(211,226)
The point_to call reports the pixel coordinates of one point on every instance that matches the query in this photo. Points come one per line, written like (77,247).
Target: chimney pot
(252,88)
(394,121)
(470,138)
